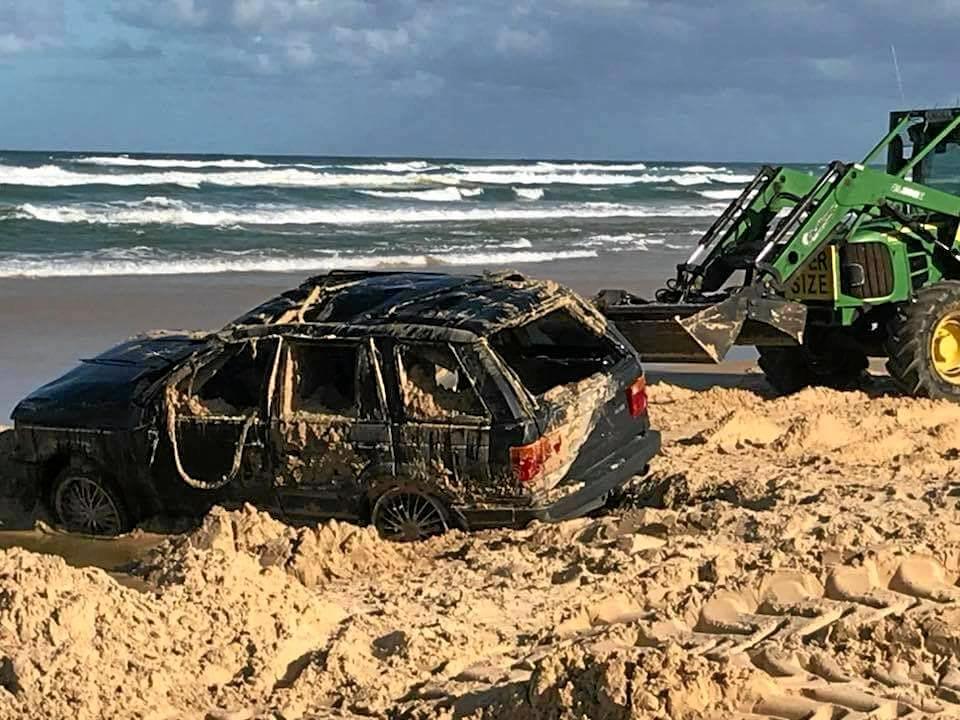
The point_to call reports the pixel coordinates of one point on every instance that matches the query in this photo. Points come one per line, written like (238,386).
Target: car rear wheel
(405,515)
(85,502)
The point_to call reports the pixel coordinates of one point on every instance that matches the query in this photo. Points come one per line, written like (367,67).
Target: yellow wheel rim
(945,348)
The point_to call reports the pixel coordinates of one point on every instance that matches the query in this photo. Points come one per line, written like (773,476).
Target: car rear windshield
(554,349)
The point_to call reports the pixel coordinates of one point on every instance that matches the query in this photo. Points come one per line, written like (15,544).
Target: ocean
(84,214)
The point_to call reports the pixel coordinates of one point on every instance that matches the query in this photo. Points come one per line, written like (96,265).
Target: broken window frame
(369,406)
(210,363)
(191,380)
(484,420)
(580,317)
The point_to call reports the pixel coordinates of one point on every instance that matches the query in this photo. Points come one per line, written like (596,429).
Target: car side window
(230,385)
(434,386)
(322,379)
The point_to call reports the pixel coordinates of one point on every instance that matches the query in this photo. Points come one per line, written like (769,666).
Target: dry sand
(800,561)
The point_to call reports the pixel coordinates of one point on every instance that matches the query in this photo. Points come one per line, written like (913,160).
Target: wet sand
(46,324)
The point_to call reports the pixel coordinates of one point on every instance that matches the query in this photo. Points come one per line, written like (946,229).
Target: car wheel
(85,502)
(405,515)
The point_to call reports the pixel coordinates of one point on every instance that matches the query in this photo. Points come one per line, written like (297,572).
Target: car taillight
(637,396)
(532,460)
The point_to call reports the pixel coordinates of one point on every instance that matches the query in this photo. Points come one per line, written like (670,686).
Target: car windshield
(553,350)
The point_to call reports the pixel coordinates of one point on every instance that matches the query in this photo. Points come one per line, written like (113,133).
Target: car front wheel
(85,502)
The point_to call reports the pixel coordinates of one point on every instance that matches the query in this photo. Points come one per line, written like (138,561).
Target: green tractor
(822,273)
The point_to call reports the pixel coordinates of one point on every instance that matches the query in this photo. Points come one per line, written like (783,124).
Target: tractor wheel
(785,368)
(923,343)
(834,361)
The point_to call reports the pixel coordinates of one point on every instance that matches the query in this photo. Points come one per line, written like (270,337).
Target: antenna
(896,69)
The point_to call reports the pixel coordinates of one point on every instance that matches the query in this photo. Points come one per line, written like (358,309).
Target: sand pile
(314,556)
(74,643)
(794,557)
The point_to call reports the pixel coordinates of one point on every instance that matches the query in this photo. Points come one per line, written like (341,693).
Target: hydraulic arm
(780,226)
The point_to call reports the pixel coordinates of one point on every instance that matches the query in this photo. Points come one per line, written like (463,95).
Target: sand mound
(312,555)
(793,558)
(74,643)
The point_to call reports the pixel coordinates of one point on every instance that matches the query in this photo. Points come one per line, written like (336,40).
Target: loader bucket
(704,333)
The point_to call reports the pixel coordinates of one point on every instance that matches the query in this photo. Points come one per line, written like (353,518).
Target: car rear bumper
(608,475)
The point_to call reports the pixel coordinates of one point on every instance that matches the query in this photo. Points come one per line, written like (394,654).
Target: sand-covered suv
(415,401)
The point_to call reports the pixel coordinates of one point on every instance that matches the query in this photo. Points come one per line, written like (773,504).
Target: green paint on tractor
(821,273)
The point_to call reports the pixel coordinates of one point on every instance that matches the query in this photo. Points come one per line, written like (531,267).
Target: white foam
(518,243)
(392,167)
(53,176)
(621,241)
(702,169)
(549,167)
(720,194)
(180,213)
(143,262)
(447,194)
(127,161)
(528,193)
(732,178)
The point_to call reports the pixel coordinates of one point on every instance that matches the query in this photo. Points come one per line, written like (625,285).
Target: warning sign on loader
(817,279)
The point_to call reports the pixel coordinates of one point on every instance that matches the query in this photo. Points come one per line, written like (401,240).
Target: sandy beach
(787,557)
(791,557)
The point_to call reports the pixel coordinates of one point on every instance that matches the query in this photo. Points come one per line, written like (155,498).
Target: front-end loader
(821,273)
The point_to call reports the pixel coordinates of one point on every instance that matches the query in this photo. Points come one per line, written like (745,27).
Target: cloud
(121,49)
(576,73)
(512,41)
(421,84)
(30,25)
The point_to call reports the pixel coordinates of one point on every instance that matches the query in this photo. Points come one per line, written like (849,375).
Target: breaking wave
(55,176)
(145,261)
(701,169)
(720,194)
(528,193)
(391,167)
(447,194)
(622,241)
(548,167)
(163,210)
(127,161)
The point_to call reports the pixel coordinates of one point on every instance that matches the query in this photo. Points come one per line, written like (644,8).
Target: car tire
(84,501)
(409,515)
(918,337)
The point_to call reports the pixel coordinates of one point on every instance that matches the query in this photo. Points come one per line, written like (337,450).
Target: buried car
(415,401)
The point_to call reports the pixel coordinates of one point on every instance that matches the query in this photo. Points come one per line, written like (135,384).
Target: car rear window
(555,349)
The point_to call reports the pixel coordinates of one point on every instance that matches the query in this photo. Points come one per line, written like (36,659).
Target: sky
(753,80)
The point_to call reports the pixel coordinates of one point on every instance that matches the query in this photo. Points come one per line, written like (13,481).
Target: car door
(214,447)
(442,425)
(329,435)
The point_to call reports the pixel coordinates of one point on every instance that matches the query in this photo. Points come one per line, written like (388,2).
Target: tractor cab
(941,167)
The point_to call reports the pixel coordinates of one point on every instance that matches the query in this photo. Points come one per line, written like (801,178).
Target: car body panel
(317,401)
